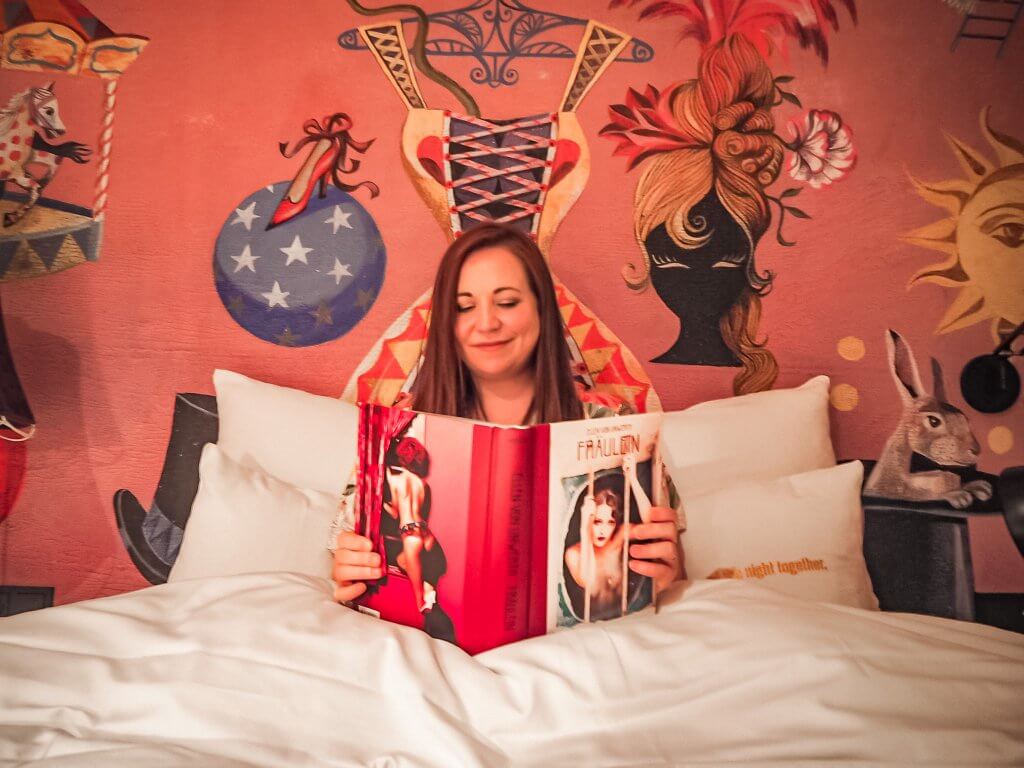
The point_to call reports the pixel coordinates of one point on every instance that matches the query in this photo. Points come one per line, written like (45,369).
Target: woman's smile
(497,324)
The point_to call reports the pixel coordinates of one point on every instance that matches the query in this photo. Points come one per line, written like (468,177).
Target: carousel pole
(99,206)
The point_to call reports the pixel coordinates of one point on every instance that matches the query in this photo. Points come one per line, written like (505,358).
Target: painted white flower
(823,151)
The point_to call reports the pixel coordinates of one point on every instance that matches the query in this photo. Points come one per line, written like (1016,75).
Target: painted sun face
(990,241)
(983,237)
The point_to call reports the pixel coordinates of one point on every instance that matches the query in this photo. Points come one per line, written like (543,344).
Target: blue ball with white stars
(306,281)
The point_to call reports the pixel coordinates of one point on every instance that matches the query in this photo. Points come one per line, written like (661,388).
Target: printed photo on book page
(604,476)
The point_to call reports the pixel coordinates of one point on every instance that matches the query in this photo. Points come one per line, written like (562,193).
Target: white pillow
(802,535)
(245,521)
(750,437)
(305,440)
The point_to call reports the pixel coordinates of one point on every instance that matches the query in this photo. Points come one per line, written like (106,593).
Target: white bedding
(264,669)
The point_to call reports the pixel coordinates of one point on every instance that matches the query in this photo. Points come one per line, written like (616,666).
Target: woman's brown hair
(612,500)
(444,384)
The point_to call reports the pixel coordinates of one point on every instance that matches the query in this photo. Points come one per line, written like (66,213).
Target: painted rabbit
(928,426)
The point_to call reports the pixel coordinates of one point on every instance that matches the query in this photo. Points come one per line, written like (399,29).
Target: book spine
(510,516)
(369,486)
(537,611)
(477,556)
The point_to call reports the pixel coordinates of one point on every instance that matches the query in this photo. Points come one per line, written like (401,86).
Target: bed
(264,669)
(245,659)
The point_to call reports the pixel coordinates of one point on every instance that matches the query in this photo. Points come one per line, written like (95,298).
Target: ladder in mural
(989,17)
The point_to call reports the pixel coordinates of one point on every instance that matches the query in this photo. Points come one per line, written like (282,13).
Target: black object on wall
(919,560)
(153,537)
(990,383)
(21,599)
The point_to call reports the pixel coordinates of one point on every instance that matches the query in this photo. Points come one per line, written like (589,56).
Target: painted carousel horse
(26,157)
(527,172)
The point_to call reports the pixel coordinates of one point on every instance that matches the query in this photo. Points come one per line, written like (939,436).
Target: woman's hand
(354,563)
(660,557)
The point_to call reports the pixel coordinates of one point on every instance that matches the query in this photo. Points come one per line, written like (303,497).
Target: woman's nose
(488,318)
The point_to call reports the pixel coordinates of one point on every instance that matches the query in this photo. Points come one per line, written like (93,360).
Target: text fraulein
(601,447)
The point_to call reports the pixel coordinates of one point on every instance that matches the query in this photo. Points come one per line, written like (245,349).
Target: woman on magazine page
(597,561)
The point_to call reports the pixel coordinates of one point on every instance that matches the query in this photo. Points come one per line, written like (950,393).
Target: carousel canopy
(62,36)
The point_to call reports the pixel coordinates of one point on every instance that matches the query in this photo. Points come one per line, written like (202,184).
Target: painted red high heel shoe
(326,162)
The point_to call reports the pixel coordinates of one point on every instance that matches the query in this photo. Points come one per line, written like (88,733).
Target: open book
(494,534)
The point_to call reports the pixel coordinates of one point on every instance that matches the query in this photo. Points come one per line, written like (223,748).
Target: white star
(340,270)
(296,252)
(246,215)
(276,298)
(245,260)
(339,219)
(269,187)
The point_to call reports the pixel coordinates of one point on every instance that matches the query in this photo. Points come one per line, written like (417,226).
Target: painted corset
(527,172)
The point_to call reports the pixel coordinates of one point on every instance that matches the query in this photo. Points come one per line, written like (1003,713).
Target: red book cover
(493,534)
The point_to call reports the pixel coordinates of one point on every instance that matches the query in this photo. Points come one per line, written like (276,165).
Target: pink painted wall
(103,348)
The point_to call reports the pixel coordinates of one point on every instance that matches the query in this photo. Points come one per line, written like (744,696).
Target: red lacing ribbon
(476,148)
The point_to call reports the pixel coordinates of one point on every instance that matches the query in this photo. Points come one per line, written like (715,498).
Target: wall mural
(988,20)
(495,34)
(526,171)
(981,237)
(724,152)
(28,123)
(40,236)
(931,431)
(710,152)
(152,537)
(296,268)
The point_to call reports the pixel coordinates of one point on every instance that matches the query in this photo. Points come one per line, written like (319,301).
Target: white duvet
(265,669)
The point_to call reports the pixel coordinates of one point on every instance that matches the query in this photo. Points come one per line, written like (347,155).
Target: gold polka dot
(1000,439)
(850,348)
(844,397)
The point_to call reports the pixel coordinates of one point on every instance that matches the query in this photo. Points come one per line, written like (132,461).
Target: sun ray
(948,277)
(950,195)
(967,309)
(939,235)
(973,162)
(979,266)
(1007,149)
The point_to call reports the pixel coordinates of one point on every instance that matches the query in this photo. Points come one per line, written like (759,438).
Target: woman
(407,504)
(595,561)
(496,352)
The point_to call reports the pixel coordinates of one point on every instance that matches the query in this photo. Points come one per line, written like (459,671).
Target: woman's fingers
(658,550)
(657,570)
(347,592)
(354,562)
(353,541)
(659,556)
(653,531)
(348,557)
(662,514)
(662,574)
(346,573)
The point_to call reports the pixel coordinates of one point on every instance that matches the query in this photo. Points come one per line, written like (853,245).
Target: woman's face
(603,526)
(990,241)
(497,324)
(703,282)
